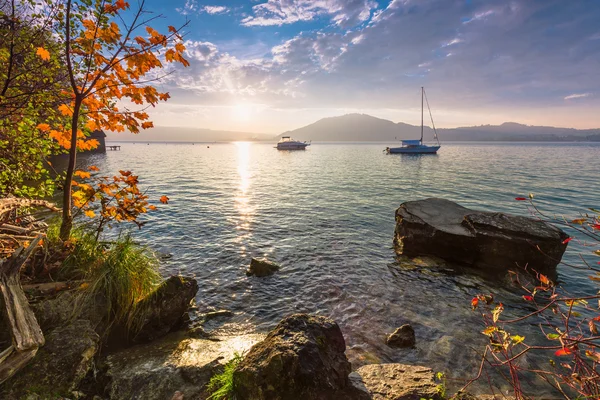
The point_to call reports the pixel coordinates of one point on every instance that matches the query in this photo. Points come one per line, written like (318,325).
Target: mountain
(173,134)
(362,127)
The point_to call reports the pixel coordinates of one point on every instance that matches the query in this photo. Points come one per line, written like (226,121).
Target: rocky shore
(303,357)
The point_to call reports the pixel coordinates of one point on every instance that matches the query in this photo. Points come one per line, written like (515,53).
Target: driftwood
(9,204)
(27,336)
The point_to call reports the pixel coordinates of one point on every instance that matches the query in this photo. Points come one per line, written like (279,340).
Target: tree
(109,62)
(31,80)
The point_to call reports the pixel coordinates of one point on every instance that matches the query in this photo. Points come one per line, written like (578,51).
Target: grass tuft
(119,273)
(221,385)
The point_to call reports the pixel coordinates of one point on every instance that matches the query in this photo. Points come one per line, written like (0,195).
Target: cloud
(192,7)
(344,13)
(577,96)
(215,10)
(510,55)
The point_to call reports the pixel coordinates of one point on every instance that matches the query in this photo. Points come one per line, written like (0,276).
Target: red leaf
(528,298)
(596,227)
(563,352)
(567,240)
(520,198)
(474,302)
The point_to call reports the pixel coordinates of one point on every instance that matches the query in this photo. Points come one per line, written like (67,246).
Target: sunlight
(242,200)
(242,111)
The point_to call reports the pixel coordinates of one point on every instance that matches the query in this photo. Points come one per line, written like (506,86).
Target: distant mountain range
(191,135)
(362,127)
(365,128)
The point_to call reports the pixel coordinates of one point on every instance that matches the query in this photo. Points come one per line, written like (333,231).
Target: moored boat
(287,143)
(416,146)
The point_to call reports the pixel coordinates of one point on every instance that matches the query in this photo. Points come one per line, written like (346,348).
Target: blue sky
(273,65)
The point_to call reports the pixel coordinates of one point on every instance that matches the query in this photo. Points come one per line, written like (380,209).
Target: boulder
(261,268)
(395,382)
(484,240)
(164,310)
(174,366)
(302,358)
(58,367)
(402,337)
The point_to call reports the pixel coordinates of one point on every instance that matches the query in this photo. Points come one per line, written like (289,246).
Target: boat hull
(413,150)
(298,146)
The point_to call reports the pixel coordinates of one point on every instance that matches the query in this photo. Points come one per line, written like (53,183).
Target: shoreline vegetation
(86,315)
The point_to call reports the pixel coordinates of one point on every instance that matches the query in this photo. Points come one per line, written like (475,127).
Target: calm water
(327,216)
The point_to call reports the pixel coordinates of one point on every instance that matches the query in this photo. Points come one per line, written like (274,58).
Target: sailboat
(416,146)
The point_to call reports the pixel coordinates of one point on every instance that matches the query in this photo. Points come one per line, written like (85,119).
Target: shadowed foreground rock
(164,309)
(261,268)
(59,366)
(175,363)
(395,382)
(302,358)
(485,240)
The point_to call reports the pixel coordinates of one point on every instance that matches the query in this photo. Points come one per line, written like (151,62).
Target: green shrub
(221,385)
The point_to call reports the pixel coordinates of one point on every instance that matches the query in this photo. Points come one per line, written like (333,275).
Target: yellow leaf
(43,53)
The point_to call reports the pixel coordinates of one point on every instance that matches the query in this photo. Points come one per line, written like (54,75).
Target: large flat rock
(395,382)
(480,239)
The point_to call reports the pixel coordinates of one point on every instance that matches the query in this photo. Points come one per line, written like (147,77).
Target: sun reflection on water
(243,205)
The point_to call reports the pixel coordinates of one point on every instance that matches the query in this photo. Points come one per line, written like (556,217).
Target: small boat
(416,146)
(287,143)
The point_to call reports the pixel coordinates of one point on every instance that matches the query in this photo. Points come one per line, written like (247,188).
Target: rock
(164,310)
(174,366)
(66,307)
(59,366)
(302,358)
(402,337)
(485,240)
(261,268)
(395,382)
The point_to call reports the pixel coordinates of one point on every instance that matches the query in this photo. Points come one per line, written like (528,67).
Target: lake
(327,216)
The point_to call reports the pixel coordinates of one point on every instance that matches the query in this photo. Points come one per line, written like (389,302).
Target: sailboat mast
(422,114)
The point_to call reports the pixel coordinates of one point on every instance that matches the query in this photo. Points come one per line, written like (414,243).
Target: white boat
(416,146)
(287,143)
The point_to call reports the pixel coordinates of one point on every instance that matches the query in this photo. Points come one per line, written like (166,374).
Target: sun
(242,111)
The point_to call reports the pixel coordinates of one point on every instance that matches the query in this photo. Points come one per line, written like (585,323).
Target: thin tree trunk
(67,216)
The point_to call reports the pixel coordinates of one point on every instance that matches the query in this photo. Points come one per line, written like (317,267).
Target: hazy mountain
(361,127)
(172,134)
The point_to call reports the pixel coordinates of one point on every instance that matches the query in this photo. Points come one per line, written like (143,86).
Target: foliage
(121,272)
(119,198)
(109,62)
(568,323)
(221,385)
(30,92)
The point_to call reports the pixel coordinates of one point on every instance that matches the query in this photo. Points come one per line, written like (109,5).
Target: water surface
(327,216)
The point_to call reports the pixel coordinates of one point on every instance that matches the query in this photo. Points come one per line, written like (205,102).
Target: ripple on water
(327,216)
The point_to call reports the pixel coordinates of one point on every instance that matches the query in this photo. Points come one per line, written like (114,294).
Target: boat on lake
(416,146)
(287,143)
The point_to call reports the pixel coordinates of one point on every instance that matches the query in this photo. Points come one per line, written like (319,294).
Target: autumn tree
(31,81)
(112,61)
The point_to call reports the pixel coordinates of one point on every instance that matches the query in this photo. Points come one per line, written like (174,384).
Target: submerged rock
(165,309)
(261,268)
(486,240)
(59,366)
(302,358)
(395,382)
(402,337)
(172,367)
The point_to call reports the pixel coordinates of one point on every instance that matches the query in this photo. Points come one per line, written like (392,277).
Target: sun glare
(242,112)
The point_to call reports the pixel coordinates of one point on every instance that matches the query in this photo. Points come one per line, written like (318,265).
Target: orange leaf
(43,127)
(563,352)
(474,303)
(153,208)
(544,279)
(43,53)
(90,213)
(93,168)
(82,174)
(164,200)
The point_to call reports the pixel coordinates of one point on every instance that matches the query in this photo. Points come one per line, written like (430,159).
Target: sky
(268,66)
